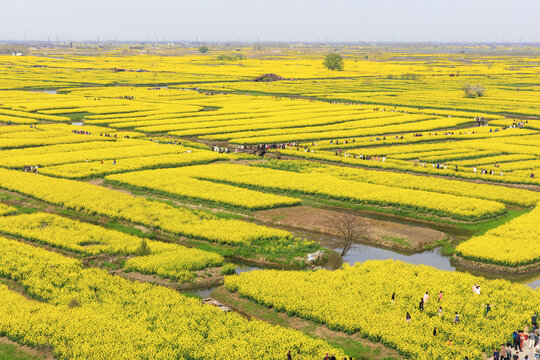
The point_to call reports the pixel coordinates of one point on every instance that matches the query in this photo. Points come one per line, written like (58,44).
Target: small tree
(203,49)
(143,249)
(333,62)
(348,227)
(473,91)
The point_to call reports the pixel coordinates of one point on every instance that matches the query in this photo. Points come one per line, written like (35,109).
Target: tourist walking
(517,341)
(508,351)
(488,309)
(503,352)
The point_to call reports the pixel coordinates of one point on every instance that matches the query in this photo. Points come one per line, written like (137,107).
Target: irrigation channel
(363,252)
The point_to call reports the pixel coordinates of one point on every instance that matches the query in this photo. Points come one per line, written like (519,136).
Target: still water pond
(434,258)
(361,253)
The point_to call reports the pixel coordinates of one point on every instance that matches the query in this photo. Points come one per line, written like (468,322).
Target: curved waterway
(434,258)
(362,252)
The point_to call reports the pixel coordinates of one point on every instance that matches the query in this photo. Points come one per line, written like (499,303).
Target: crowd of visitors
(82,132)
(31,168)
(221,150)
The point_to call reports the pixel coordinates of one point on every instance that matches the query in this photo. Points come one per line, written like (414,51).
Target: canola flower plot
(16,120)
(442,139)
(59,138)
(404,138)
(66,148)
(19,136)
(117,205)
(178,182)
(303,123)
(357,299)
(139,149)
(81,170)
(375,130)
(89,314)
(406,166)
(329,186)
(512,244)
(408,181)
(166,260)
(7,210)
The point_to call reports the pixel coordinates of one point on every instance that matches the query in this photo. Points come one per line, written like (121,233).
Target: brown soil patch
(247,308)
(142,228)
(382,233)
(45,354)
(96,181)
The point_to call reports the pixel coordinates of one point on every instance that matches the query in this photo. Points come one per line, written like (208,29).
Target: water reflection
(202,293)
(534,283)
(245,268)
(361,253)
(52,92)
(434,258)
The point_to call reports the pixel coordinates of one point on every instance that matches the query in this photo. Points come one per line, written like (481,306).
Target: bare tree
(349,227)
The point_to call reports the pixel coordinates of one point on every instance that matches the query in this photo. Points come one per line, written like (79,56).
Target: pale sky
(276,20)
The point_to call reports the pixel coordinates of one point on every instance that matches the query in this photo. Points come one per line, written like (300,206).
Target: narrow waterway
(361,253)
(52,92)
(205,293)
(434,258)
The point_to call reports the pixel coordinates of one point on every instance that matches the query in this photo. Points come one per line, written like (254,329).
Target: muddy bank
(492,270)
(378,232)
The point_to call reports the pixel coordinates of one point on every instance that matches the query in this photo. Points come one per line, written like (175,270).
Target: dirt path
(382,233)
(373,351)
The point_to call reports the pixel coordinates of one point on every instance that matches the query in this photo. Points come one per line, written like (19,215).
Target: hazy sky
(280,20)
